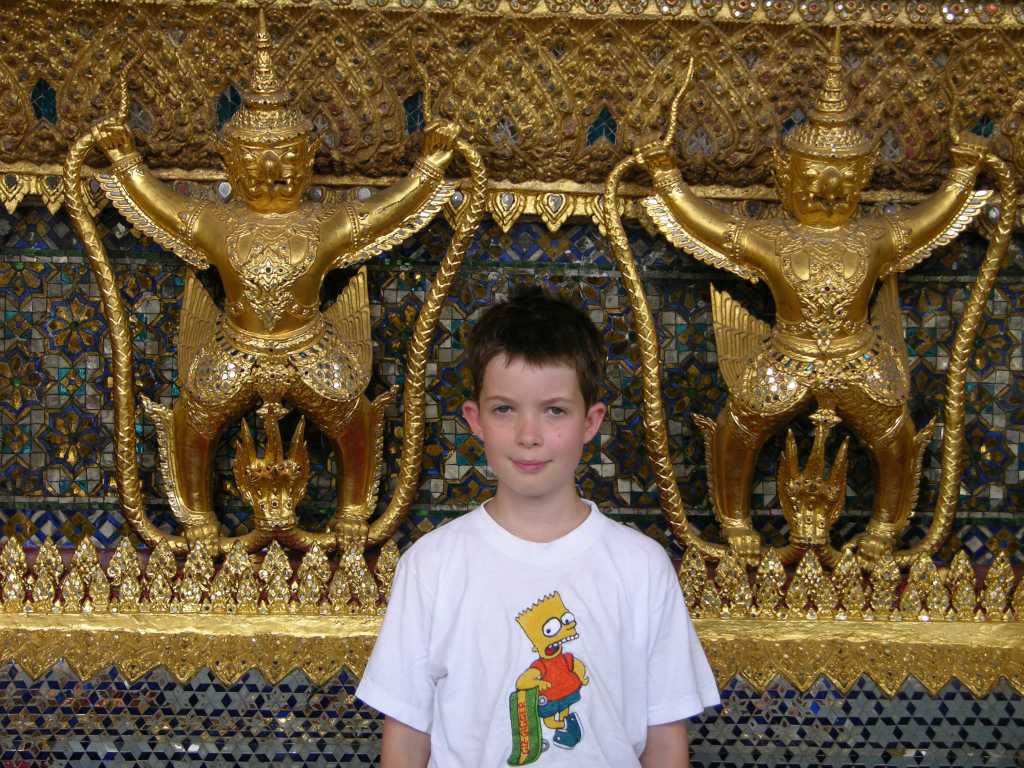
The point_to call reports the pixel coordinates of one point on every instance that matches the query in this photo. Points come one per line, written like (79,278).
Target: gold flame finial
(832,100)
(266,115)
(829,130)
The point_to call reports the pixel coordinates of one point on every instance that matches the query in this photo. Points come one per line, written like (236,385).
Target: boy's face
(533,424)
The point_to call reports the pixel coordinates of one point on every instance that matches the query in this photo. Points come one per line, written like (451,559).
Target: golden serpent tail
(655,430)
(963,344)
(466,223)
(129,488)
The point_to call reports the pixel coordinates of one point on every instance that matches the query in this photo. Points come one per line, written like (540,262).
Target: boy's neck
(535,520)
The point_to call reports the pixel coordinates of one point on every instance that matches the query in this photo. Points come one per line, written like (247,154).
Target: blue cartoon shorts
(548,708)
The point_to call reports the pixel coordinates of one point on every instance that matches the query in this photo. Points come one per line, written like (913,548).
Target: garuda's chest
(272,256)
(825,268)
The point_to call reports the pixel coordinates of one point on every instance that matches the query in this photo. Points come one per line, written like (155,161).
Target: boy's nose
(529,432)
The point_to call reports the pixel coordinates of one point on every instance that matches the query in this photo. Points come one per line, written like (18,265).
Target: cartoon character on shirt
(556,677)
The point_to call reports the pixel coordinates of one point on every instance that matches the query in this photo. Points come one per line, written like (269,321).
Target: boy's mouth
(529,466)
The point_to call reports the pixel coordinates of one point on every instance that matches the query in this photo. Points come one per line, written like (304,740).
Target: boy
(535,629)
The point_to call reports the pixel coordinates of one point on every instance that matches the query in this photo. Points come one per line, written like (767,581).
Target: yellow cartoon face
(548,624)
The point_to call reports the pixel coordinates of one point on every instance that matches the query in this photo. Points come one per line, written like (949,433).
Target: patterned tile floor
(105,721)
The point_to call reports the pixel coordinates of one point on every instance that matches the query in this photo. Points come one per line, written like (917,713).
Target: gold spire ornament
(271,345)
(837,340)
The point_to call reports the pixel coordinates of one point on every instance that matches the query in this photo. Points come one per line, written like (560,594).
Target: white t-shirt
(452,647)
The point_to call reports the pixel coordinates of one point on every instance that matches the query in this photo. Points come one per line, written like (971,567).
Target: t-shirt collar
(559,551)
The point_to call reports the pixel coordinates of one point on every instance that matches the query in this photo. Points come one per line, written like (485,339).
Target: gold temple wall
(554,95)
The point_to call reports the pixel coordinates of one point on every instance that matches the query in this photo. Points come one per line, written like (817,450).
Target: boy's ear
(595,416)
(471,413)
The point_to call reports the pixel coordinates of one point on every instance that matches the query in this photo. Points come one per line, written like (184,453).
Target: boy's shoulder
(441,541)
(636,543)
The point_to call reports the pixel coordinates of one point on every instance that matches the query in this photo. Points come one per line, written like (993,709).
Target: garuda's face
(271,178)
(824,192)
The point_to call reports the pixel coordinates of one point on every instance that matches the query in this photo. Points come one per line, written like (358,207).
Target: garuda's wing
(660,215)
(738,336)
(350,316)
(408,227)
(198,323)
(172,241)
(887,318)
(968,211)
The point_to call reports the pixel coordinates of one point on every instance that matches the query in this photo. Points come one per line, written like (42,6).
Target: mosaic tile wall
(106,721)
(55,410)
(55,481)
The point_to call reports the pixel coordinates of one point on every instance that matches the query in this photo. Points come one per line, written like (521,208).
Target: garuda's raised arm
(149,203)
(695,226)
(943,215)
(358,231)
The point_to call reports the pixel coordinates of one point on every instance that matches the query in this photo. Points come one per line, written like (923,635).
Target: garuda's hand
(655,157)
(116,142)
(970,151)
(439,140)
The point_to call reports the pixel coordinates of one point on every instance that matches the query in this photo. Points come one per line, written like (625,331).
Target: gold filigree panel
(529,89)
(917,14)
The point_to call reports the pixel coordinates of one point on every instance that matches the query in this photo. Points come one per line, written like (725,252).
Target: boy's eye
(503,409)
(551,627)
(568,618)
(555,410)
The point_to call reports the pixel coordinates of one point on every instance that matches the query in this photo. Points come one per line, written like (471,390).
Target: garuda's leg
(197,428)
(351,427)
(738,436)
(888,432)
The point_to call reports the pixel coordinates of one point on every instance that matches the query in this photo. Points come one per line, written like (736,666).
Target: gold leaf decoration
(771,577)
(995,594)
(693,576)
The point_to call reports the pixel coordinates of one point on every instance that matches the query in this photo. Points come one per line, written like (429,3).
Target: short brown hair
(539,329)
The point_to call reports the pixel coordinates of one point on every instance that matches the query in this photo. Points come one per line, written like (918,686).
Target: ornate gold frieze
(554,203)
(322,615)
(855,12)
(545,96)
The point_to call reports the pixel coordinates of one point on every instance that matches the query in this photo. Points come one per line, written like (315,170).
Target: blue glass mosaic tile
(56,394)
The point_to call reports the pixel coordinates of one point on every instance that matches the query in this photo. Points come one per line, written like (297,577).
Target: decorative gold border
(976,654)
(185,643)
(553,202)
(888,652)
(888,14)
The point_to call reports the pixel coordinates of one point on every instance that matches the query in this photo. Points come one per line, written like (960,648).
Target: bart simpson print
(550,685)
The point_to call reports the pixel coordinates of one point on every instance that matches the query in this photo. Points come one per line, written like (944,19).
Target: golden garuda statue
(836,341)
(271,343)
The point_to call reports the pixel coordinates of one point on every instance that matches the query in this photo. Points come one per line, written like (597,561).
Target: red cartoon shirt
(558,672)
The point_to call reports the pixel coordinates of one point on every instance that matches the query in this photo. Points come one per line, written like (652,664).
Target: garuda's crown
(266,115)
(829,129)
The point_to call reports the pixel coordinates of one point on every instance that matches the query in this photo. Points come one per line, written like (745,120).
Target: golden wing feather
(738,336)
(123,202)
(968,211)
(350,317)
(409,226)
(887,318)
(657,211)
(199,317)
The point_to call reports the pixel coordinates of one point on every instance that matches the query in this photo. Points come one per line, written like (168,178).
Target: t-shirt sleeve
(679,678)
(398,679)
